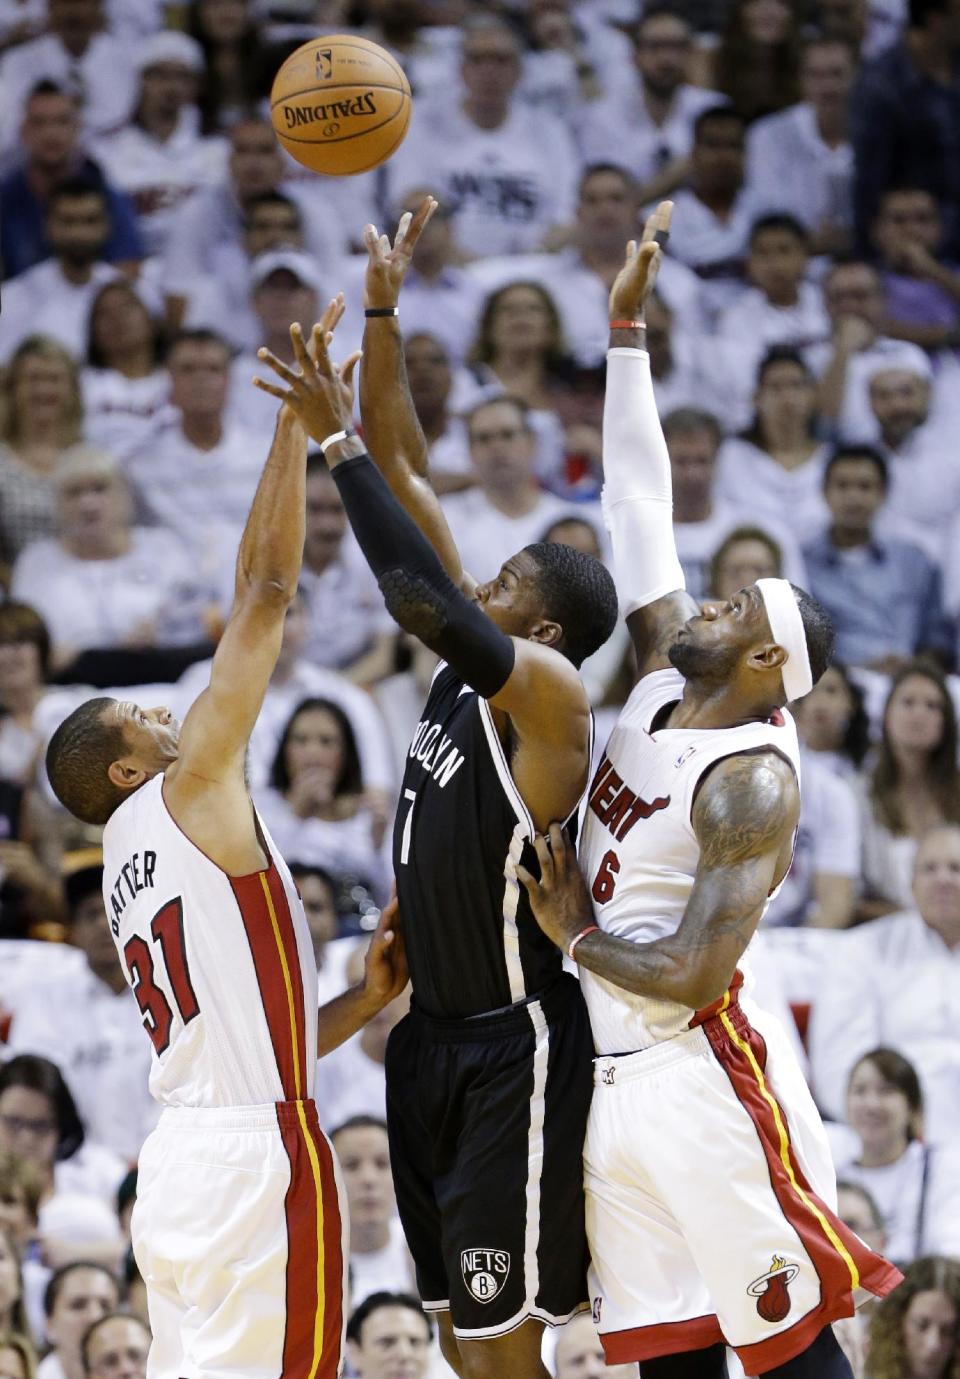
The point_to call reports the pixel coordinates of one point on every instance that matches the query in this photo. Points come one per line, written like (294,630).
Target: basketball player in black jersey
(488,1078)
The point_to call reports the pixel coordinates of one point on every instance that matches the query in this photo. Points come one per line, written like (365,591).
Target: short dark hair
(296,869)
(867,452)
(607,169)
(94,1327)
(199,335)
(351,775)
(511,399)
(21,623)
(579,593)
(72,188)
(714,114)
(270,198)
(78,758)
(781,354)
(41,1075)
(819,631)
(660,9)
(686,421)
(57,1279)
(779,220)
(919,11)
(745,533)
(362,1122)
(566,520)
(384,1299)
(46,87)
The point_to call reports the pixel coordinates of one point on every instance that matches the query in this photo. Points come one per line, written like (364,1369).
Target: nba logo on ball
(484,1272)
(324,64)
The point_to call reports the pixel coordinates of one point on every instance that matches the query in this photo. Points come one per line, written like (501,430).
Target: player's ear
(125,774)
(768,656)
(546,632)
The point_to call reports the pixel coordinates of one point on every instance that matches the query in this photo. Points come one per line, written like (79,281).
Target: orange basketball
(340,105)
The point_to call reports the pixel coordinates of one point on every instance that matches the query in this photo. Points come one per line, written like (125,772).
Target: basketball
(340,105)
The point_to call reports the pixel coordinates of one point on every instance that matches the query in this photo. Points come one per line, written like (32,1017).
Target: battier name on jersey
(435,752)
(617,806)
(135,875)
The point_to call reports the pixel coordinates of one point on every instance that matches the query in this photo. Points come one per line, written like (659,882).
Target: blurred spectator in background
(389,1334)
(915,1332)
(160,159)
(915,1185)
(885,596)
(773,472)
(13,1314)
(316,806)
(125,386)
(319,892)
(50,152)
(747,554)
(579,1354)
(54,297)
(895,983)
(833,723)
(41,416)
(24,663)
(77,1295)
(431,384)
(858,1210)
(238,63)
(379,1259)
(508,177)
(17,1358)
(78,52)
(920,454)
(757,63)
(905,120)
(104,583)
(922,291)
(911,786)
(800,159)
(854,298)
(116,1347)
(686,370)
(349,627)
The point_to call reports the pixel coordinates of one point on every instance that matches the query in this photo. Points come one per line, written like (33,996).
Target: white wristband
(337,436)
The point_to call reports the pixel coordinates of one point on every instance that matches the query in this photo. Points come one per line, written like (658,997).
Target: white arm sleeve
(637,490)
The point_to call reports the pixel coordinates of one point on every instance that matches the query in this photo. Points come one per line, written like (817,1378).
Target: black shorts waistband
(553,1000)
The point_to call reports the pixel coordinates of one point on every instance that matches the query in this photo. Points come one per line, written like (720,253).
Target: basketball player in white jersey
(711,1208)
(239,1229)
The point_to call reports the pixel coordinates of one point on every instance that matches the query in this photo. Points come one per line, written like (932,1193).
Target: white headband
(786,627)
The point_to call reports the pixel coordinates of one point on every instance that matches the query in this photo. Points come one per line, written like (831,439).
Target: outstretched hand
(319,392)
(388,263)
(634,283)
(385,965)
(560,901)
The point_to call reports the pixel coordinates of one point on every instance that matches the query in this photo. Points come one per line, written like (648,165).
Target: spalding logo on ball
(340,105)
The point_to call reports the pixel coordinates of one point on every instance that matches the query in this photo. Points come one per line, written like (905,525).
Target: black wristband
(382,311)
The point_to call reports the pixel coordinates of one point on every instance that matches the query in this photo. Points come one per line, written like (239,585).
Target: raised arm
(744,817)
(391,427)
(638,492)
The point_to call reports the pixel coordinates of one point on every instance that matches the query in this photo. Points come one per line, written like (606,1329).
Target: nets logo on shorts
(772,1289)
(324,58)
(484,1272)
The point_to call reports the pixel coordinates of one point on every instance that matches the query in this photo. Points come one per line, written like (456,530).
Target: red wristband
(590,929)
(628,325)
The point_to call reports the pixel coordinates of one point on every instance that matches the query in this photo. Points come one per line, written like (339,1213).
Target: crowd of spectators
(805,348)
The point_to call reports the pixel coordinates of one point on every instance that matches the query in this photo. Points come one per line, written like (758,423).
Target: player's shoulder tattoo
(747,804)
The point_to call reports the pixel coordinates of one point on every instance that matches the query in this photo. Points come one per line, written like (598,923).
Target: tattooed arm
(744,817)
(391,428)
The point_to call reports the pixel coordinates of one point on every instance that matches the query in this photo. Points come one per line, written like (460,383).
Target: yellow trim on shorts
(287,983)
(321,1259)
(771,1101)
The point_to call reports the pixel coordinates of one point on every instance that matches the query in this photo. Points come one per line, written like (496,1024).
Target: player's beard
(711,664)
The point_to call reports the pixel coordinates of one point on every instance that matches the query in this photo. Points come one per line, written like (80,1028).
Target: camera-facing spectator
(579,1354)
(125,387)
(430,377)
(746,555)
(920,453)
(389,1334)
(115,1347)
(77,1295)
(915,1332)
(922,290)
(379,1258)
(833,722)
(17,1358)
(757,63)
(858,1210)
(238,63)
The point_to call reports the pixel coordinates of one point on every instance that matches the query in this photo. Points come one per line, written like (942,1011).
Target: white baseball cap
(170,46)
(294,261)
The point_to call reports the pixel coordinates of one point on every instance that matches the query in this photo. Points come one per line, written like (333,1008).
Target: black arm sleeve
(418,592)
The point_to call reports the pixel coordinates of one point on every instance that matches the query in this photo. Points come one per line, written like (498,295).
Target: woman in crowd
(24,665)
(239,63)
(774,470)
(746,555)
(913,784)
(915,1332)
(41,415)
(77,1295)
(833,722)
(125,386)
(520,350)
(316,807)
(916,1186)
(17,1358)
(13,1315)
(758,62)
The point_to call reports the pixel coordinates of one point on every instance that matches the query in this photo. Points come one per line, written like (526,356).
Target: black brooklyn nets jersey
(472,942)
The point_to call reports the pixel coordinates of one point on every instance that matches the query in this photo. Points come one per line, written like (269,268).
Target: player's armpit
(653,629)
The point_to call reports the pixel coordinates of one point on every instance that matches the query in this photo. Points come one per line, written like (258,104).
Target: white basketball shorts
(239,1231)
(710,1201)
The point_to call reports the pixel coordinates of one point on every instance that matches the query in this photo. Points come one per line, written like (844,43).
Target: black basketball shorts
(487,1118)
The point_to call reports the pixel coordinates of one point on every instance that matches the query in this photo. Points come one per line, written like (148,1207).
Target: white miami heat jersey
(639,852)
(221,966)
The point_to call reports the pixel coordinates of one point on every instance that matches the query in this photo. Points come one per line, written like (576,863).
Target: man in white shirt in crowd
(579,1354)
(116,1347)
(687,370)
(507,173)
(801,158)
(89,1026)
(78,53)
(920,454)
(780,307)
(896,982)
(77,1295)
(389,1337)
(853,296)
(379,1259)
(507,510)
(431,383)
(54,296)
(350,630)
(160,158)
(657,115)
(701,521)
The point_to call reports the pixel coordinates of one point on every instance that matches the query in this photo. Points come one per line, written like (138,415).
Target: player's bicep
(653,629)
(218,726)
(543,695)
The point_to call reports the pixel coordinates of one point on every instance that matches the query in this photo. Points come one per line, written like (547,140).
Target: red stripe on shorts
(268,964)
(333,1262)
(667,1338)
(877,1275)
(288,933)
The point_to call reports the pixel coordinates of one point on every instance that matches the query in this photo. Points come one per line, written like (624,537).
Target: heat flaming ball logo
(771,1290)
